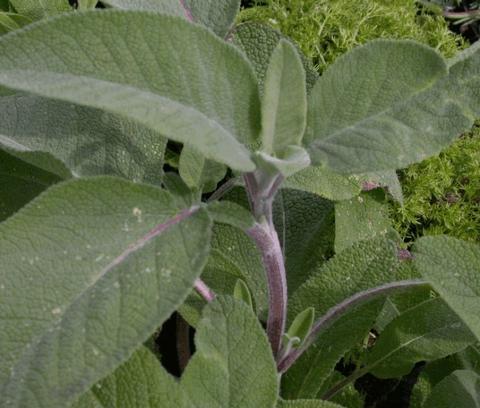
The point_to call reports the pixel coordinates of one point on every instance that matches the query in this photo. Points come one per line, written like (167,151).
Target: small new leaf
(284,104)
(302,324)
(241,292)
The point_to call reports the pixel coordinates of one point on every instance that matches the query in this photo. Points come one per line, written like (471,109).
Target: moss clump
(442,194)
(325,29)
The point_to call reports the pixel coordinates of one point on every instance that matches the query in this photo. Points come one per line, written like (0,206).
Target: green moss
(325,29)
(442,194)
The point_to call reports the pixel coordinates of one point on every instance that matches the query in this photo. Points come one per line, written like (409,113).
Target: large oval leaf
(158,70)
(89,270)
(88,141)
(452,267)
(382,106)
(426,332)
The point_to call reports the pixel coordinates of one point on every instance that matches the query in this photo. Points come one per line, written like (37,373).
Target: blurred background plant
(464,15)
(442,194)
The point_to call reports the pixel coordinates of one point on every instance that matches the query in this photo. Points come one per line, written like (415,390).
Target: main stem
(261,196)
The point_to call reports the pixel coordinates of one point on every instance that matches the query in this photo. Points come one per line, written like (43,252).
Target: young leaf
(460,389)
(284,103)
(427,332)
(302,324)
(241,292)
(295,158)
(90,142)
(364,265)
(258,41)
(21,182)
(178,89)
(140,382)
(325,183)
(37,10)
(383,106)
(119,259)
(218,15)
(233,366)
(226,212)
(198,172)
(360,218)
(452,267)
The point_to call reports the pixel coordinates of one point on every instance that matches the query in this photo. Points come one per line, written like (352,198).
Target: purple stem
(153,233)
(186,10)
(266,239)
(204,291)
(334,313)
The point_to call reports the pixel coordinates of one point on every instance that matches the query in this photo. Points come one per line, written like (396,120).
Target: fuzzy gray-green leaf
(158,70)
(234,365)
(88,141)
(461,389)
(426,332)
(89,270)
(452,267)
(284,103)
(388,104)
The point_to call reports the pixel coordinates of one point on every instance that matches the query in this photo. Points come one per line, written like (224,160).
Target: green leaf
(178,89)
(233,366)
(233,256)
(37,10)
(360,218)
(87,4)
(12,21)
(385,178)
(302,324)
(436,371)
(241,292)
(85,249)
(427,332)
(218,15)
(198,172)
(364,265)
(325,183)
(218,376)
(172,7)
(295,158)
(452,267)
(284,103)
(383,106)
(258,42)
(461,389)
(303,403)
(90,142)
(140,382)
(305,224)
(20,182)
(226,212)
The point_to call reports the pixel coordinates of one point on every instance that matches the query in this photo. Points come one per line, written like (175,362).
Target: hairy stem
(261,198)
(223,189)
(203,290)
(334,313)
